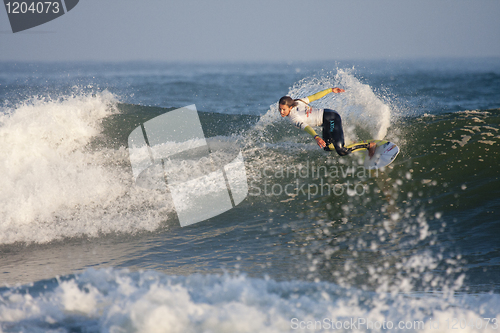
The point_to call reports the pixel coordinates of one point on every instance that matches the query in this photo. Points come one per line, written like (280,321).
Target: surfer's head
(285,105)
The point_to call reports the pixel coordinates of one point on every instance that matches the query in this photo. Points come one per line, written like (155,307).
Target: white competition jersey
(303,115)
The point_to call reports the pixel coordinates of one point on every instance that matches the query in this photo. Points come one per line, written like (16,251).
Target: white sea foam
(53,186)
(111,300)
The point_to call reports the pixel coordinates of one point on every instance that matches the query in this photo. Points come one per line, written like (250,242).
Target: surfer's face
(284,110)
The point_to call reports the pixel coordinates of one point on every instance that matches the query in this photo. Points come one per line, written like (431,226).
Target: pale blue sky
(260,30)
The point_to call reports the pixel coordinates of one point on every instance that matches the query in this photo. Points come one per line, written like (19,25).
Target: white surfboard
(385,153)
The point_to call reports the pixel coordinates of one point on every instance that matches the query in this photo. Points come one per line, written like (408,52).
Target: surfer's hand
(337,90)
(320,141)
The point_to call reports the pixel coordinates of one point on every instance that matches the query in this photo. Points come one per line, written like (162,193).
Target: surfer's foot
(371,149)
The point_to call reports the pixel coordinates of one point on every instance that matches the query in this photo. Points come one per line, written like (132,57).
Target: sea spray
(364,114)
(275,142)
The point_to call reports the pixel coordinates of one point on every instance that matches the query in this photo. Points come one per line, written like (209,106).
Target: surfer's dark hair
(288,101)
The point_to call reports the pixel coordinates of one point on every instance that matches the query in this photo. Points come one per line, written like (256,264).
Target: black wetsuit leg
(333,132)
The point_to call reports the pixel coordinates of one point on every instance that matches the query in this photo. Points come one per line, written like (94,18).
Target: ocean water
(319,244)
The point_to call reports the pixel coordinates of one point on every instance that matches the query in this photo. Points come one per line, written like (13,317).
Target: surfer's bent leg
(333,133)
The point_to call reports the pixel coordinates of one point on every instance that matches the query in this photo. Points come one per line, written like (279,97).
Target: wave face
(66,169)
(318,241)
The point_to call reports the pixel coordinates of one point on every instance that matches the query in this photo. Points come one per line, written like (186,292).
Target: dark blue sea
(317,244)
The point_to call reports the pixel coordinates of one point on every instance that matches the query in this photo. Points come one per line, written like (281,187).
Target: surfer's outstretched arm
(323,93)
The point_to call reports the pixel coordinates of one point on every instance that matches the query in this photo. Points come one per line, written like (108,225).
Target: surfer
(304,116)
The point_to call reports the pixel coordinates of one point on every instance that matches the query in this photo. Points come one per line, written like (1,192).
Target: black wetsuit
(333,133)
